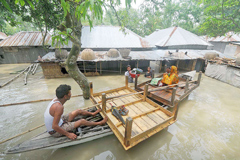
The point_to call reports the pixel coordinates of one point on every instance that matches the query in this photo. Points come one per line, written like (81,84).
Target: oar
(40,100)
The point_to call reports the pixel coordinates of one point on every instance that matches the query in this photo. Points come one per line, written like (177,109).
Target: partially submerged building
(225,44)
(186,52)
(23,47)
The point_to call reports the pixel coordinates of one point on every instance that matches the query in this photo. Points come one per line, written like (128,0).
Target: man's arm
(58,111)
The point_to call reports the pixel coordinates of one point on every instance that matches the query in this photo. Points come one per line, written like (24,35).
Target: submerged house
(100,39)
(23,47)
(183,42)
(226,44)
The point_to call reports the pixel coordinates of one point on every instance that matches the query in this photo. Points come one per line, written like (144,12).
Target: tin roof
(109,37)
(229,37)
(26,39)
(175,36)
(153,55)
(3,35)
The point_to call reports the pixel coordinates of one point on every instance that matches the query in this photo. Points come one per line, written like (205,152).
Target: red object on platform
(133,75)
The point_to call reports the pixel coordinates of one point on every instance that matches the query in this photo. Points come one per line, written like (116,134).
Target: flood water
(207,125)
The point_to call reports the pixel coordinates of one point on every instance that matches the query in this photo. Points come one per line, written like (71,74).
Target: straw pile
(211,55)
(61,54)
(88,54)
(124,52)
(113,53)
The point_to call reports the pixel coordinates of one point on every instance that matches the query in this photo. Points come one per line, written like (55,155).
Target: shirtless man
(58,124)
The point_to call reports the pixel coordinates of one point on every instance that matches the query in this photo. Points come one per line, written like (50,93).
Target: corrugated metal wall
(23,55)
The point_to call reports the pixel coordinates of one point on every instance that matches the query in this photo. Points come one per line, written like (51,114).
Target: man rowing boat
(58,124)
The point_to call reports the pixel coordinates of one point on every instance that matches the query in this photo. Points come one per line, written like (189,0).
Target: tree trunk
(71,62)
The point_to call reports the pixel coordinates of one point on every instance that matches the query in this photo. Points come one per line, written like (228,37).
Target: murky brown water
(207,126)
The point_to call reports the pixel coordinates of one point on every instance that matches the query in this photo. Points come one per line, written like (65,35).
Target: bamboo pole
(40,100)
(21,134)
(160,66)
(135,83)
(25,83)
(128,131)
(35,69)
(13,78)
(100,68)
(199,78)
(38,127)
(120,67)
(34,65)
(187,85)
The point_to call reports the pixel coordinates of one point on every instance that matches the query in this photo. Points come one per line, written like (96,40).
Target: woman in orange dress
(172,79)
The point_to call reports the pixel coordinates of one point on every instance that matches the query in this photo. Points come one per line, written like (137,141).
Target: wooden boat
(45,141)
(145,117)
(184,88)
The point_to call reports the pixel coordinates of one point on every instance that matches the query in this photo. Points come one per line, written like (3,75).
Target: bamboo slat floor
(184,88)
(144,119)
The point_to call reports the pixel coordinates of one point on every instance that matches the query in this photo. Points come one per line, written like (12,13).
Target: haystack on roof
(25,39)
(113,53)
(88,54)
(3,36)
(109,37)
(175,36)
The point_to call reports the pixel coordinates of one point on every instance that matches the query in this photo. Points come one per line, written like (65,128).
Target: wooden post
(153,73)
(126,81)
(187,85)
(199,77)
(120,67)
(91,88)
(160,66)
(136,79)
(96,67)
(100,68)
(177,63)
(104,102)
(84,67)
(128,131)
(175,110)
(145,92)
(194,64)
(173,95)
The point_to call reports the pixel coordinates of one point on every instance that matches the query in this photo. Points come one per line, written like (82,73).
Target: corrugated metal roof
(26,39)
(229,37)
(174,36)
(109,37)
(154,55)
(3,35)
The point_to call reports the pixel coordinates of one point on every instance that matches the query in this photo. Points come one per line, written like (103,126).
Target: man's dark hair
(62,90)
(128,66)
(149,67)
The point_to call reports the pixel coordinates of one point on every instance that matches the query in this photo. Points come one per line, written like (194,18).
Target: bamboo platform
(145,117)
(184,88)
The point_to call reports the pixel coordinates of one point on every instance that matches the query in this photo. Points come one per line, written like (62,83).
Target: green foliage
(220,17)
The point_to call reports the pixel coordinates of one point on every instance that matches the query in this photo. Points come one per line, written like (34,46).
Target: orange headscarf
(173,78)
